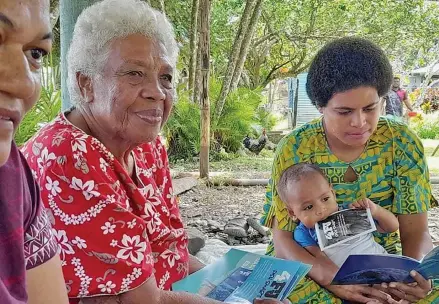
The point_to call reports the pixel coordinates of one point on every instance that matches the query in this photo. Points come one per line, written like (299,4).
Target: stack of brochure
(240,277)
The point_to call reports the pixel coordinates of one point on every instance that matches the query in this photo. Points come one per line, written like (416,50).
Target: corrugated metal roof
(306,111)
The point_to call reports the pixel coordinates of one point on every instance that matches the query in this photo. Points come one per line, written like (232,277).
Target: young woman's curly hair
(345,64)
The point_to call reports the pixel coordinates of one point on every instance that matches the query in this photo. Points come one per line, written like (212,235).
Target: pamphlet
(240,277)
(343,226)
(382,268)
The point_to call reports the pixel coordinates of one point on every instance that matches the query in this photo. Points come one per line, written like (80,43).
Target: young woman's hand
(412,292)
(358,293)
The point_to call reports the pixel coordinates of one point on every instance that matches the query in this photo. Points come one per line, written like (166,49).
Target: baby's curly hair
(345,64)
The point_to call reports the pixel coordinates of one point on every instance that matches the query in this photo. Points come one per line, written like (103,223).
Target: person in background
(395,98)
(103,169)
(30,268)
(402,94)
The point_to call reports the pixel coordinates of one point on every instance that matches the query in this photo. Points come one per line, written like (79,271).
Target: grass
(433,161)
(240,165)
(429,151)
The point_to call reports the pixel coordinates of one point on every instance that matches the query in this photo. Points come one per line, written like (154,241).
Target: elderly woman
(102,168)
(364,156)
(30,269)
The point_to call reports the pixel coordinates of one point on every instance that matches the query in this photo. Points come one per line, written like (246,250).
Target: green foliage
(182,131)
(404,29)
(427,129)
(265,119)
(237,118)
(241,112)
(290,32)
(46,108)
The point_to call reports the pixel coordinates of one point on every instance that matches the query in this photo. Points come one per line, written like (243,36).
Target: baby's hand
(364,204)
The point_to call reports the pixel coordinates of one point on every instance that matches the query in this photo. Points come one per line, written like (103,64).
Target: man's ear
(85,86)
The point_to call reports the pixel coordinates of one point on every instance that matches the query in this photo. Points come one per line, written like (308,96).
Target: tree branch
(264,38)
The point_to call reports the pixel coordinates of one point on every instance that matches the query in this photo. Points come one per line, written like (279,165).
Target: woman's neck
(118,147)
(341,150)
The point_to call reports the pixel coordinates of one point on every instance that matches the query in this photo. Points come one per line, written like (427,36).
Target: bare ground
(205,206)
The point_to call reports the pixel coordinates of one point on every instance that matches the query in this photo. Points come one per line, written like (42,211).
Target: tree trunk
(162,6)
(204,102)
(197,80)
(246,44)
(193,49)
(157,4)
(296,103)
(54,13)
(270,94)
(69,12)
(234,56)
(274,86)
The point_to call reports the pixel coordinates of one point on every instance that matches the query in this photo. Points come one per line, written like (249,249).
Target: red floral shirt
(114,232)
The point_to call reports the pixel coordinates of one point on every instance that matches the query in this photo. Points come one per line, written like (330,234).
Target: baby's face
(311,199)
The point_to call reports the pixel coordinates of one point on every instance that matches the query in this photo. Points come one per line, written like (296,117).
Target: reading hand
(411,292)
(358,293)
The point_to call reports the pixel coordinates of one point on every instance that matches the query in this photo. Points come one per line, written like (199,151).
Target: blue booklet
(376,269)
(240,277)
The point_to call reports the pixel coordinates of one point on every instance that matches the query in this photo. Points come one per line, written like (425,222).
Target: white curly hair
(104,21)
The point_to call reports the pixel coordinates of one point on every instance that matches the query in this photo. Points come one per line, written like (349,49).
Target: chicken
(256,145)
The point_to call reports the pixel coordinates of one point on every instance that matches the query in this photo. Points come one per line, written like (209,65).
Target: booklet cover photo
(240,277)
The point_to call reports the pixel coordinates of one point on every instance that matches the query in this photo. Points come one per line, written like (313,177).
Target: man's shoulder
(392,93)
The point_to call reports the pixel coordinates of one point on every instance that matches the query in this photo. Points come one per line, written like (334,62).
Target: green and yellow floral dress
(392,172)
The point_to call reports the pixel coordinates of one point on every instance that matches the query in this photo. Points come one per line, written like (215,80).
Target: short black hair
(346,64)
(396,77)
(295,173)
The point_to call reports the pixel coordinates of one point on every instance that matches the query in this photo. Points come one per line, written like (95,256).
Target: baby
(309,198)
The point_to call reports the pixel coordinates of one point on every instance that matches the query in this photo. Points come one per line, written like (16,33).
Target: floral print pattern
(114,232)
